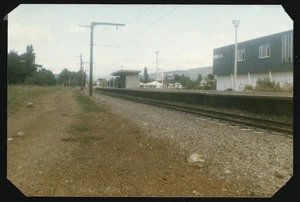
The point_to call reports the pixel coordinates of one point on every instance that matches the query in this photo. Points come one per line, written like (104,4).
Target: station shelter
(127,78)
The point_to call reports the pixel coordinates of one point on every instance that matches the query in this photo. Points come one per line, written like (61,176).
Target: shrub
(248,87)
(210,85)
(266,85)
(288,87)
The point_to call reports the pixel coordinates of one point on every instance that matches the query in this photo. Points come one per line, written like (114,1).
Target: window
(287,48)
(241,55)
(219,56)
(264,51)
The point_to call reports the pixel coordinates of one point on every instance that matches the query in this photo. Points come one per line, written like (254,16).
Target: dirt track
(119,160)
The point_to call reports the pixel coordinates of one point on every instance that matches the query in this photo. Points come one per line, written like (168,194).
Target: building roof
(124,72)
(259,38)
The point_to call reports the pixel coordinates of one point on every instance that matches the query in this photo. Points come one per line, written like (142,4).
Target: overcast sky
(184,35)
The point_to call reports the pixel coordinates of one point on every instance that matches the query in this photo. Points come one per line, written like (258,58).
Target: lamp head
(236,23)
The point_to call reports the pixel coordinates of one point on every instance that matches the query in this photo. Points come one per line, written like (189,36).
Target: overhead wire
(134,18)
(139,15)
(144,30)
(112,40)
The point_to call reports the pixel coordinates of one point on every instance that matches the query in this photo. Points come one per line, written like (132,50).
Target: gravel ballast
(260,159)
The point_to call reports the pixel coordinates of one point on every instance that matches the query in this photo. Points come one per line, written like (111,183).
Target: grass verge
(82,127)
(20,95)
(86,120)
(87,104)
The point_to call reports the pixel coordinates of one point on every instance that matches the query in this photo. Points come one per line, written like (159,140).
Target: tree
(67,77)
(177,78)
(210,82)
(20,66)
(184,80)
(199,79)
(13,69)
(28,66)
(63,77)
(42,77)
(210,77)
(146,75)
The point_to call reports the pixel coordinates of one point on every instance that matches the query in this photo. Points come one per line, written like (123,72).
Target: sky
(184,35)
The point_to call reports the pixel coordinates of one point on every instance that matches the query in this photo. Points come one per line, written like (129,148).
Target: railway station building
(265,57)
(127,78)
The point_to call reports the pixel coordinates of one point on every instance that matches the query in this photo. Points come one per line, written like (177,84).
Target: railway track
(235,119)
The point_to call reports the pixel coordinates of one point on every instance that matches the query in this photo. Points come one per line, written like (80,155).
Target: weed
(84,139)
(87,104)
(90,138)
(248,87)
(288,87)
(266,85)
(82,127)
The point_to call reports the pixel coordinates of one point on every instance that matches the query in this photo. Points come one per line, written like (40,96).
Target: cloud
(193,36)
(186,60)
(221,39)
(76,30)
(25,34)
(257,8)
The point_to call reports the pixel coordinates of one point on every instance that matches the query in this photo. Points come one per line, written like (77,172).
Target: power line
(139,15)
(150,25)
(115,33)
(112,40)
(144,30)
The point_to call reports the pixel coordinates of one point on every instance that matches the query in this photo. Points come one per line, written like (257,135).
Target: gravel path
(262,160)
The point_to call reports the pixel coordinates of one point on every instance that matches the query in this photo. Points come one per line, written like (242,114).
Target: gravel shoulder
(258,161)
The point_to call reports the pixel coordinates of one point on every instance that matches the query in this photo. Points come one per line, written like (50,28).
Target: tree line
(22,69)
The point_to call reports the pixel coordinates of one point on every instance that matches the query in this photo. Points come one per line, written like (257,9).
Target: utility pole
(80,62)
(236,24)
(156,67)
(93,24)
(81,70)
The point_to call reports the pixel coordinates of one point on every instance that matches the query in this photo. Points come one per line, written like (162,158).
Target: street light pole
(236,24)
(156,67)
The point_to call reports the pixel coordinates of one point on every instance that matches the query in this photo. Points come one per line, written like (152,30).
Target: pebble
(21,134)
(227,171)
(195,192)
(277,174)
(30,105)
(195,158)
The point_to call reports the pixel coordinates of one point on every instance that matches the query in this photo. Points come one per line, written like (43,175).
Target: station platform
(265,103)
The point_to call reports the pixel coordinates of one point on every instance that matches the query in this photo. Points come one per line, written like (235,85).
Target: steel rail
(249,121)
